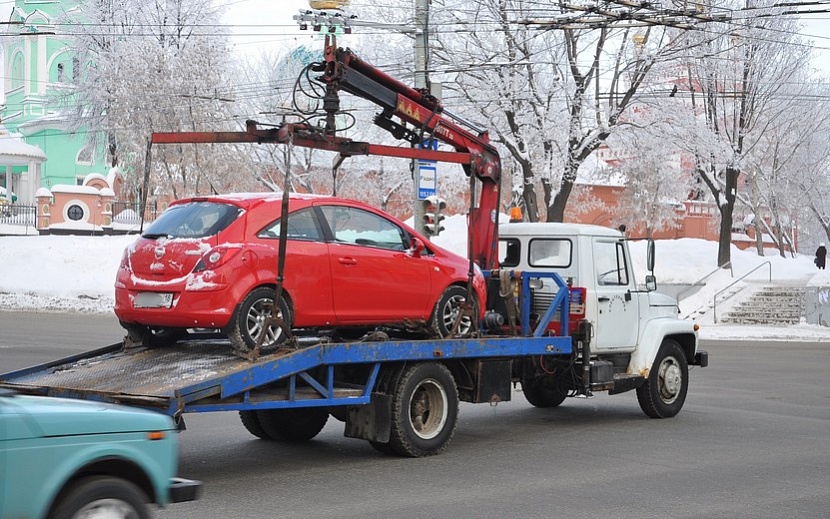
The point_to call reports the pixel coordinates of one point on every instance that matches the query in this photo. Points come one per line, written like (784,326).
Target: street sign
(427,173)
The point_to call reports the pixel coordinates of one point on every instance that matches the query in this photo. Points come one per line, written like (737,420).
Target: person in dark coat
(821,255)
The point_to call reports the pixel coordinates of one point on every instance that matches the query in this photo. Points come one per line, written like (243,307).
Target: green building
(39,67)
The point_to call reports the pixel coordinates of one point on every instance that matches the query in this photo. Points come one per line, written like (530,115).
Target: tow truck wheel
(293,425)
(447,310)
(251,422)
(424,410)
(101,496)
(542,396)
(663,394)
(249,320)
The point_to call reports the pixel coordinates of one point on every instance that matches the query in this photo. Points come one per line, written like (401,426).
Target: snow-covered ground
(74,273)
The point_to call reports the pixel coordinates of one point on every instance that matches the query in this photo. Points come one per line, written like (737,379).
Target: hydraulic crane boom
(343,70)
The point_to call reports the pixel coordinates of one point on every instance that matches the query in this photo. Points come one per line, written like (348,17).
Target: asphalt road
(751,442)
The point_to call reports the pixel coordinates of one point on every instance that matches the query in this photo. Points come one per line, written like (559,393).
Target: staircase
(775,304)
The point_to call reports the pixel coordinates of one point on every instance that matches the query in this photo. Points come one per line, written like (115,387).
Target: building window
(61,73)
(85,157)
(79,180)
(17,70)
(75,212)
(76,69)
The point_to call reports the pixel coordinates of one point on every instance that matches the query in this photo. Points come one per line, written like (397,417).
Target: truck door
(617,309)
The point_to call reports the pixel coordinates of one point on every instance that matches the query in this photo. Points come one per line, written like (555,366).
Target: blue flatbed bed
(204,375)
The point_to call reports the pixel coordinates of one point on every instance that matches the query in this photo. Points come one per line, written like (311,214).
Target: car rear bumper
(189,309)
(184,490)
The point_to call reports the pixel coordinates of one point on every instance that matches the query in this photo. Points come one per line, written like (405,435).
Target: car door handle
(603,299)
(347,261)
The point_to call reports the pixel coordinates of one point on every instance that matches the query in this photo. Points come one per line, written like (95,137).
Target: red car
(211,262)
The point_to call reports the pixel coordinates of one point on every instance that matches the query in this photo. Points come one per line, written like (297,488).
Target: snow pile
(76,273)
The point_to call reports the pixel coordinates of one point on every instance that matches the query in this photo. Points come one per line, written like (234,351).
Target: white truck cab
(633,330)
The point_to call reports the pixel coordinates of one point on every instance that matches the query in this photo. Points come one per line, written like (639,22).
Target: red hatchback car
(211,262)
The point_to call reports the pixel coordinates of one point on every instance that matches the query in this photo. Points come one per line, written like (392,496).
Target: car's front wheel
(251,320)
(101,496)
(448,310)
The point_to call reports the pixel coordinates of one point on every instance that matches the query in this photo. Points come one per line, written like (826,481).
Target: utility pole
(421,37)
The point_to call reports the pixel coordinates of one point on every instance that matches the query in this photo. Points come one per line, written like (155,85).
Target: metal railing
(130,212)
(715,299)
(701,280)
(18,214)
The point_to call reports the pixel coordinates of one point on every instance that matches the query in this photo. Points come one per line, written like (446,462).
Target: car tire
(152,337)
(446,311)
(108,495)
(248,320)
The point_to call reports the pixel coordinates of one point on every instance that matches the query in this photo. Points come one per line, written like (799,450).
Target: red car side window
(301,226)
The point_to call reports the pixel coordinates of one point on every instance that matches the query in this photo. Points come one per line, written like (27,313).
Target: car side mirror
(416,247)
(651,283)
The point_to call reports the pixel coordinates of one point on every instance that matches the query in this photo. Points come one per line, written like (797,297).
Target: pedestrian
(821,255)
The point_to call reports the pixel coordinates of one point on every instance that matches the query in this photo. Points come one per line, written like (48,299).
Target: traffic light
(432,215)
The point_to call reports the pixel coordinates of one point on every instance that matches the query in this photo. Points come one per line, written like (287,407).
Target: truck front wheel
(101,496)
(424,410)
(663,394)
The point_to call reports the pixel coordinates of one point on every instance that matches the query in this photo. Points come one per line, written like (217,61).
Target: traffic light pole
(421,21)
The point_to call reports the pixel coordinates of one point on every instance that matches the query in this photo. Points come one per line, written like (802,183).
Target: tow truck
(555,324)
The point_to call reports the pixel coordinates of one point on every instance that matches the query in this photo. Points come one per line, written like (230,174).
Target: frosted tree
(158,66)
(732,80)
(655,187)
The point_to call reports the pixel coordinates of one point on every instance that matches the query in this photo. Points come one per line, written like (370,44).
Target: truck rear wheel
(251,422)
(424,410)
(542,396)
(293,425)
(663,394)
(103,496)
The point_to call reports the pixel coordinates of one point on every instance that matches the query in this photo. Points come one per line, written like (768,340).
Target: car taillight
(125,260)
(215,258)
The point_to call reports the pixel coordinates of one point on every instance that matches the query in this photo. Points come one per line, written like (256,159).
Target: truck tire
(664,392)
(247,322)
(542,396)
(446,311)
(104,496)
(424,410)
(251,422)
(293,425)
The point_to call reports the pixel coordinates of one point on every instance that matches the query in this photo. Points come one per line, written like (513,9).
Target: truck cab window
(609,262)
(551,253)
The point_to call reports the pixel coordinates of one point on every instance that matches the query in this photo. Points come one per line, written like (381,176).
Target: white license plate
(153,300)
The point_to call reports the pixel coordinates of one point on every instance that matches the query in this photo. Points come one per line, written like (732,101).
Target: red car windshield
(193,220)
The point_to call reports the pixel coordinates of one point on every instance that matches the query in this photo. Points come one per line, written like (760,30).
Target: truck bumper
(184,490)
(701,359)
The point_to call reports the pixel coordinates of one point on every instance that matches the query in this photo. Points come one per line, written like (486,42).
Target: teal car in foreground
(62,459)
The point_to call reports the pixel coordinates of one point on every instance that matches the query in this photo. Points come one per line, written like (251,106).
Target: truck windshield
(193,220)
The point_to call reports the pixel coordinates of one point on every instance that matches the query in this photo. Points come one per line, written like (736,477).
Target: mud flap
(371,422)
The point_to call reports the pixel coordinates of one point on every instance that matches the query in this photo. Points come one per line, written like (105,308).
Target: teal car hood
(34,416)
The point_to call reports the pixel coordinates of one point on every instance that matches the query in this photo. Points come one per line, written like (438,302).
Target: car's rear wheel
(250,320)
(447,311)
(101,496)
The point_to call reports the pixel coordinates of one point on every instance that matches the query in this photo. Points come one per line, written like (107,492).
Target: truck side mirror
(651,283)
(650,256)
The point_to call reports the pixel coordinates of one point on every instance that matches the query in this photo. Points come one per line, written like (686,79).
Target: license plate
(153,300)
